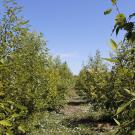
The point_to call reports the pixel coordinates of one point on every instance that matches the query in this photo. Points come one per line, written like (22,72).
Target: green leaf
(114,45)
(123,106)
(108,11)
(117,122)
(129,51)
(114,2)
(15,115)
(2,116)
(129,26)
(2,94)
(11,102)
(9,132)
(5,123)
(132,15)
(130,92)
(111,60)
(133,132)
(22,129)
(23,22)
(2,61)
(120,19)
(2,105)
(21,107)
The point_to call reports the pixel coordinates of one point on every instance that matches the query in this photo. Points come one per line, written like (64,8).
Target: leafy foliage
(30,81)
(108,11)
(122,94)
(93,81)
(123,76)
(114,89)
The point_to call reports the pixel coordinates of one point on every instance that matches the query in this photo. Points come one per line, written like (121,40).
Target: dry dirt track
(80,110)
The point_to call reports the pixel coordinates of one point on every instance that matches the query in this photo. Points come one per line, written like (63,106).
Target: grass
(51,124)
(75,119)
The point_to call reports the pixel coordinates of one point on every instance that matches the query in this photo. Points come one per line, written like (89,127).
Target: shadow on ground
(102,124)
(77,103)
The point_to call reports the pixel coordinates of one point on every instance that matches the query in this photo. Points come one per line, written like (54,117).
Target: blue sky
(74,29)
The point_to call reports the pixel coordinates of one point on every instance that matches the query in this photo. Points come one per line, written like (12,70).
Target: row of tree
(31,80)
(113,88)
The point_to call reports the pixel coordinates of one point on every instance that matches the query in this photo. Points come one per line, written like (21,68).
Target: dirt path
(78,113)
(76,106)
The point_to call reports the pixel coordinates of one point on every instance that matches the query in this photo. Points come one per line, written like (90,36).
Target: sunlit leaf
(120,19)
(2,61)
(9,132)
(108,11)
(113,2)
(130,92)
(22,128)
(117,122)
(123,106)
(5,123)
(111,60)
(2,94)
(114,45)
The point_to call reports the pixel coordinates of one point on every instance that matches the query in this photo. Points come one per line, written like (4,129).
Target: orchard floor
(77,118)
